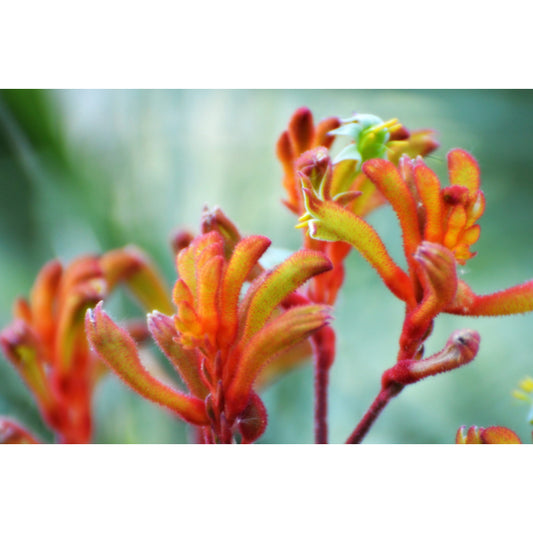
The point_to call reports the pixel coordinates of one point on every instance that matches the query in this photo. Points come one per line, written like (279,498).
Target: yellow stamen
(389,124)
(396,127)
(301,225)
(393,144)
(526,384)
(305,217)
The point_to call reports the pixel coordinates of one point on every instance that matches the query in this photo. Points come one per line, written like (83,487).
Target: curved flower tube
(303,150)
(218,342)
(46,342)
(438,225)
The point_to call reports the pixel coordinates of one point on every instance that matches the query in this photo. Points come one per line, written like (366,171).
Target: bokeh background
(87,171)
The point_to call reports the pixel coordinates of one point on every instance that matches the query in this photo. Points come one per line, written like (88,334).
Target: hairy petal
(284,363)
(186,270)
(301,130)
(344,174)
(285,153)
(181,294)
(428,187)
(490,435)
(322,137)
(208,288)
(216,220)
(22,311)
(438,277)
(119,351)
(461,348)
(69,334)
(276,285)
(132,267)
(281,333)
(517,299)
(456,224)
(42,300)
(330,222)
(245,256)
(476,208)
(22,348)
(387,179)
(464,170)
(468,436)
(184,361)
(499,435)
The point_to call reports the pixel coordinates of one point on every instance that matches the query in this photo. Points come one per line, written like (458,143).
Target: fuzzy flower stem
(324,348)
(382,399)
(321,403)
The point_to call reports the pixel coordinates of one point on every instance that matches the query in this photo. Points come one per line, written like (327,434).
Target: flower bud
(216,220)
(301,129)
(180,240)
(490,435)
(461,348)
(316,165)
(438,274)
(252,421)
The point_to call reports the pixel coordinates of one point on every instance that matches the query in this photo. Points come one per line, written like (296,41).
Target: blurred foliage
(86,171)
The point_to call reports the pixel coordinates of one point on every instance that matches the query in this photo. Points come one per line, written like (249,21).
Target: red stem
(324,345)
(382,399)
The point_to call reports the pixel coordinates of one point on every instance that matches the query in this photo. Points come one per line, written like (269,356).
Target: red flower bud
(490,435)
(461,348)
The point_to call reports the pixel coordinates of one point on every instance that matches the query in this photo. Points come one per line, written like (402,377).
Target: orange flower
(46,342)
(303,150)
(438,227)
(434,221)
(218,342)
(301,136)
(490,435)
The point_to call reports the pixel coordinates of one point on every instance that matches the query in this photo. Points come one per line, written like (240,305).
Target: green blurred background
(86,171)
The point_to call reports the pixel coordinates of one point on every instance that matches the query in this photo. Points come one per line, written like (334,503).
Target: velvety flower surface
(46,342)
(438,225)
(490,435)
(431,217)
(217,340)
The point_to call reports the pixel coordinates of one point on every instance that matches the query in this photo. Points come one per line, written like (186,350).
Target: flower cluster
(230,326)
(218,342)
(438,225)
(304,152)
(46,342)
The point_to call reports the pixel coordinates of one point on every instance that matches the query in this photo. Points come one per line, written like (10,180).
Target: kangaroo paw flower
(330,222)
(220,343)
(515,300)
(281,333)
(461,348)
(490,435)
(131,266)
(115,346)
